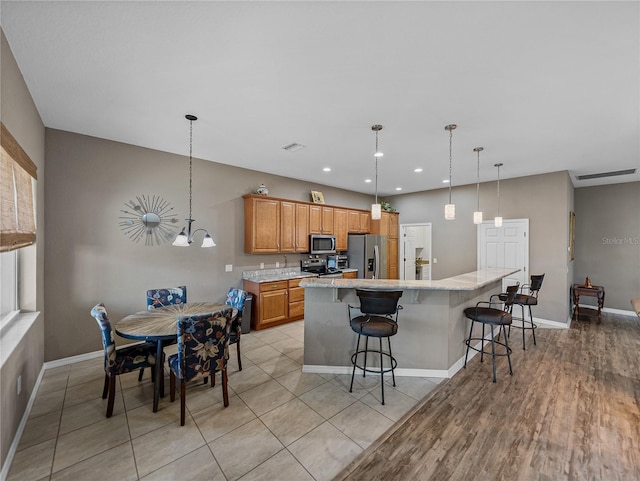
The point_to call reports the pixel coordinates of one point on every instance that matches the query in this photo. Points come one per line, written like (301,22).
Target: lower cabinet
(276,302)
(349,275)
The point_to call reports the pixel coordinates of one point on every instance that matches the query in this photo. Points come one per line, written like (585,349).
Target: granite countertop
(281,274)
(272,275)
(464,282)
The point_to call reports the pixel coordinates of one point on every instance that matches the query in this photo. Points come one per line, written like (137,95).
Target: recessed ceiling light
(368,181)
(327,169)
(419,169)
(445,181)
(398,188)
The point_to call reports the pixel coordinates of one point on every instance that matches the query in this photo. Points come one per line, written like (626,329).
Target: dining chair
(203,345)
(236,298)
(122,360)
(166,296)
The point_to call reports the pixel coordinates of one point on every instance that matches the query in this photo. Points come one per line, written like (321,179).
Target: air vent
(293,147)
(606,174)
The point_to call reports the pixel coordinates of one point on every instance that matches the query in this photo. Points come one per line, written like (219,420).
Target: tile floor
(281,424)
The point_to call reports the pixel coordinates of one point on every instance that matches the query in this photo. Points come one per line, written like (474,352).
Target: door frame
(401,237)
(505,223)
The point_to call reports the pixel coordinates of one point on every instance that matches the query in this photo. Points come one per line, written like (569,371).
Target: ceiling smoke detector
(294,147)
(606,174)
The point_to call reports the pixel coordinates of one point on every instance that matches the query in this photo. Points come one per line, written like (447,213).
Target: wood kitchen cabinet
(276,302)
(294,227)
(320,219)
(272,226)
(350,275)
(261,225)
(359,222)
(341,228)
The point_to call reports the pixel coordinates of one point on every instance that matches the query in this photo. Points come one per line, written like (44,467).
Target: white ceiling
(542,86)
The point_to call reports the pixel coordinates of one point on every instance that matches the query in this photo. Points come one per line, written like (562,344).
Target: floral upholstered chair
(236,298)
(166,296)
(203,345)
(119,361)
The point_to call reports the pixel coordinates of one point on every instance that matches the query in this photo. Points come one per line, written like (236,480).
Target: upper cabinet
(261,225)
(273,226)
(320,219)
(359,221)
(341,228)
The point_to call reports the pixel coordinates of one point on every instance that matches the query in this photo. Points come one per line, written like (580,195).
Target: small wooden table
(161,325)
(593,291)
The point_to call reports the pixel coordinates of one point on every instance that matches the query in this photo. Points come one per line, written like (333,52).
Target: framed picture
(572,234)
(317,197)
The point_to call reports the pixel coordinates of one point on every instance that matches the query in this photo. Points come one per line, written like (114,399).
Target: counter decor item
(262,190)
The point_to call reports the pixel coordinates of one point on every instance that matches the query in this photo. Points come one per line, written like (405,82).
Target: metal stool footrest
(507,352)
(379,370)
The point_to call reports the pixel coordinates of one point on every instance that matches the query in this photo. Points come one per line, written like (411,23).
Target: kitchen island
(431,326)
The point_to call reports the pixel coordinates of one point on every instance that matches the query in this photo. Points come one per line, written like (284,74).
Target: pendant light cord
(450,149)
(478,182)
(190,163)
(376,167)
(498,165)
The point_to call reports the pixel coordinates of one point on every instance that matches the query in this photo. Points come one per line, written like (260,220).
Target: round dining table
(160,325)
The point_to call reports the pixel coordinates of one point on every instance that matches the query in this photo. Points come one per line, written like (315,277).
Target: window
(17,174)
(8,286)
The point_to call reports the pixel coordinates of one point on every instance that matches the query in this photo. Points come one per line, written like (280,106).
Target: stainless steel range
(319,267)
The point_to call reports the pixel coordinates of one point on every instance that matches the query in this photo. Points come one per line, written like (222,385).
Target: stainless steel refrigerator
(368,254)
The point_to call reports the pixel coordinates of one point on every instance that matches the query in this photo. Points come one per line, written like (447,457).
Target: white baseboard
(32,399)
(23,422)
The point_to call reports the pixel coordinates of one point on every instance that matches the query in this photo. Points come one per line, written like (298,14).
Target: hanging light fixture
(376,209)
(477,215)
(450,209)
(185,237)
(498,219)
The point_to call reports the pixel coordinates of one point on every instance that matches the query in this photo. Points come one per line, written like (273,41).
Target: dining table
(160,325)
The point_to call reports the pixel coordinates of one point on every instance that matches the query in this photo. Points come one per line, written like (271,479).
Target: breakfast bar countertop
(464,282)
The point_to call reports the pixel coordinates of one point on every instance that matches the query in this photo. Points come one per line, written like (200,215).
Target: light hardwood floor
(570,412)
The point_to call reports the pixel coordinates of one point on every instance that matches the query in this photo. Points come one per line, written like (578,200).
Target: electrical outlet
(435,260)
(19,385)
(228,267)
(277,264)
(262,265)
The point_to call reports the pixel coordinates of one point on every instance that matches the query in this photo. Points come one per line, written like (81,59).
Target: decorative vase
(262,190)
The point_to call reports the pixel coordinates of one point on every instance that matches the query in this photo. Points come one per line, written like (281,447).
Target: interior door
(415,243)
(409,256)
(506,246)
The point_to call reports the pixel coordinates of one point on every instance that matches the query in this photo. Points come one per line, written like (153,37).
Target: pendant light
(498,219)
(450,208)
(185,237)
(376,209)
(477,215)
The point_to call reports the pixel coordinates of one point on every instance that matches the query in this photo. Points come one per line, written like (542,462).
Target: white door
(506,246)
(416,242)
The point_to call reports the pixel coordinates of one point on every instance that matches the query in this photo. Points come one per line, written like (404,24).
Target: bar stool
(377,317)
(530,299)
(492,317)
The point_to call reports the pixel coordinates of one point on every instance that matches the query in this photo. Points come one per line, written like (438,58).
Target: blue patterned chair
(119,361)
(236,298)
(167,296)
(203,347)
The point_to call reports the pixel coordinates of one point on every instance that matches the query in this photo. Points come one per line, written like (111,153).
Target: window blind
(17,175)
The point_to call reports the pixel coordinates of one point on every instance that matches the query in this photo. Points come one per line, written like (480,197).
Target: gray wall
(20,116)
(90,260)
(608,241)
(543,199)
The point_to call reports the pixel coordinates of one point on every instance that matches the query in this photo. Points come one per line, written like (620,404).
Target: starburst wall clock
(150,219)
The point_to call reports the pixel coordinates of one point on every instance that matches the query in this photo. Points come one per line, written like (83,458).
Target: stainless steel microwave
(322,244)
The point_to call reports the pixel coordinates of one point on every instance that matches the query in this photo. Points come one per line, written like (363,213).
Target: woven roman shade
(17,175)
